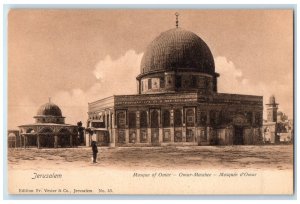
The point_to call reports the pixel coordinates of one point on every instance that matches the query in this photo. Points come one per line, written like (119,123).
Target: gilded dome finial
(176,14)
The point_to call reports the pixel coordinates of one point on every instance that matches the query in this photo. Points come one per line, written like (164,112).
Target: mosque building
(177,101)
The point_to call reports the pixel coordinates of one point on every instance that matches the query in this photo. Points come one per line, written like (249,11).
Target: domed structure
(49,113)
(177,61)
(49,109)
(177,101)
(49,129)
(178,49)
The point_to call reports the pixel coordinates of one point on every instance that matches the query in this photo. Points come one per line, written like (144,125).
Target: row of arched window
(49,120)
(191,81)
(154,119)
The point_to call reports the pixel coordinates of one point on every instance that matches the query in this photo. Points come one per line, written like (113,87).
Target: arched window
(143,119)
(193,82)
(190,117)
(203,118)
(177,118)
(212,115)
(249,117)
(178,82)
(166,118)
(64,137)
(258,119)
(154,119)
(162,83)
(132,120)
(47,139)
(149,84)
(121,120)
(168,80)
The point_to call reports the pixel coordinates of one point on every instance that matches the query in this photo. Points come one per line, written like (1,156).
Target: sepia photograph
(150,101)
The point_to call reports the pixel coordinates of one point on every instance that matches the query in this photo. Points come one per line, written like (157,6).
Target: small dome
(12,134)
(49,109)
(178,49)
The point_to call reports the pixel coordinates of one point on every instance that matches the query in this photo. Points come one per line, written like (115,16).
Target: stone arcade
(177,102)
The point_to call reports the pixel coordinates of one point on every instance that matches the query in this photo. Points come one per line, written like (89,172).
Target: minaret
(272,108)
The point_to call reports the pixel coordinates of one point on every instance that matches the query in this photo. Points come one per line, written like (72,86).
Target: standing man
(95,151)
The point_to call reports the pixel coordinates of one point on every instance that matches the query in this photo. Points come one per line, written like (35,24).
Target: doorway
(238,135)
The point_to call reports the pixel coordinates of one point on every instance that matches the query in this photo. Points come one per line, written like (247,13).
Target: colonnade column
(71,140)
(105,120)
(38,141)
(148,127)
(55,141)
(183,125)
(138,130)
(25,139)
(87,138)
(208,133)
(172,132)
(109,119)
(106,126)
(160,130)
(126,127)
(195,131)
(21,141)
(113,130)
(199,124)
(86,135)
(110,132)
(253,118)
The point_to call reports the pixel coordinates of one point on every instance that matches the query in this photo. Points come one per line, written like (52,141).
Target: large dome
(49,109)
(178,49)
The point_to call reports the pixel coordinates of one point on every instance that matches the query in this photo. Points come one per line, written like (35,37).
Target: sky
(79,56)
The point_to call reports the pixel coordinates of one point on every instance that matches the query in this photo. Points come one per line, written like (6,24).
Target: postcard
(150,101)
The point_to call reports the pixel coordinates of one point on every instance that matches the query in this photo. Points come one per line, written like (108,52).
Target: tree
(80,132)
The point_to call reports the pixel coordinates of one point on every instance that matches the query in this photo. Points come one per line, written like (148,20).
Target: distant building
(49,129)
(285,128)
(177,102)
(277,128)
(14,139)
